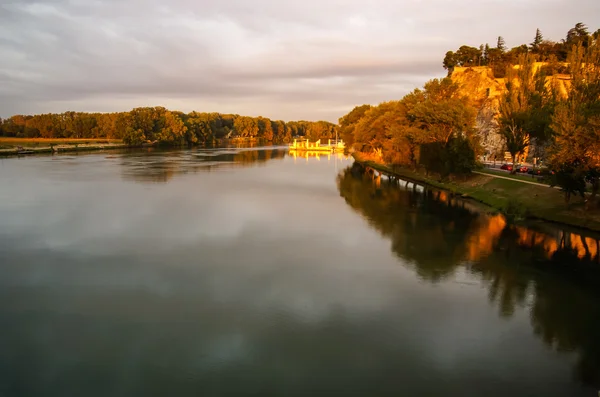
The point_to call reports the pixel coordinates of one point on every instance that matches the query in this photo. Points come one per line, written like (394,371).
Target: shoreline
(475,189)
(64,148)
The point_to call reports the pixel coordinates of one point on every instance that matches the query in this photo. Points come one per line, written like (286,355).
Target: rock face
(485,91)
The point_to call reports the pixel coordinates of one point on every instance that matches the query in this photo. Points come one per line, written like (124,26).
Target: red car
(507,167)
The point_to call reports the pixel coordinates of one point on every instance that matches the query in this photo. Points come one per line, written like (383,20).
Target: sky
(289,60)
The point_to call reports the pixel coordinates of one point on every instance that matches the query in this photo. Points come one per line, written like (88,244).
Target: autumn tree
(347,123)
(576,123)
(246,126)
(403,132)
(514,108)
(446,120)
(371,133)
(174,130)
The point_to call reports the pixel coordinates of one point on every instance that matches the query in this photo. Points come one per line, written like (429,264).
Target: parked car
(522,168)
(541,171)
(507,167)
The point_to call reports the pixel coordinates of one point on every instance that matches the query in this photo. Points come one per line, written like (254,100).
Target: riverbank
(24,146)
(511,197)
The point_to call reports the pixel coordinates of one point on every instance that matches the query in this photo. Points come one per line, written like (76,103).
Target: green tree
(537,40)
(133,137)
(576,123)
(577,35)
(450,62)
(515,107)
(501,44)
(198,124)
(174,130)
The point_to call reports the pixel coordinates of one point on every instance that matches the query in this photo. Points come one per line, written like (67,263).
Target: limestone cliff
(485,91)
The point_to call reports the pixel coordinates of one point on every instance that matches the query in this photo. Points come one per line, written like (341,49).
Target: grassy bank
(511,197)
(10,146)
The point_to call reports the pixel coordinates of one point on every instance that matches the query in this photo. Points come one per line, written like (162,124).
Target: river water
(231,272)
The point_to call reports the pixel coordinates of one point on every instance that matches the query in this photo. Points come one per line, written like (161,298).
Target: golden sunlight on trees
(575,152)
(159,125)
(433,127)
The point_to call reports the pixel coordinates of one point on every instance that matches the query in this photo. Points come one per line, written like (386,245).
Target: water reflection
(318,155)
(160,166)
(439,236)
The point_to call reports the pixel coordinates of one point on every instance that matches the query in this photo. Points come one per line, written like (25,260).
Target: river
(228,272)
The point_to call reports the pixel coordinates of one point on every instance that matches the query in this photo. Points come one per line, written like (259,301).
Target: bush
(570,179)
(133,137)
(457,157)
(514,210)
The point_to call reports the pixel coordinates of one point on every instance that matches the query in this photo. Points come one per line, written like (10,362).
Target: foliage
(571,179)
(499,58)
(575,152)
(456,157)
(537,41)
(433,127)
(160,125)
(347,123)
(514,108)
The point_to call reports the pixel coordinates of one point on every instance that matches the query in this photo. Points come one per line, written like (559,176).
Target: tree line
(162,126)
(435,127)
(564,132)
(499,58)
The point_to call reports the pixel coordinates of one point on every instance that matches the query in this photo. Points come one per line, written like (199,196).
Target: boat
(307,146)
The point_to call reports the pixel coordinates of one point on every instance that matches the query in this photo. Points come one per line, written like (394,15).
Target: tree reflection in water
(160,166)
(551,272)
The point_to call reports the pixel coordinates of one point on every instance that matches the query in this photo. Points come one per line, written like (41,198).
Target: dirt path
(513,179)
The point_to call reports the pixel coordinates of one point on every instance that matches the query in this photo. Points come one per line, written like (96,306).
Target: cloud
(280,59)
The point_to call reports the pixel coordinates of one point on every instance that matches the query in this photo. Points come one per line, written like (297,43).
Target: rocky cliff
(485,92)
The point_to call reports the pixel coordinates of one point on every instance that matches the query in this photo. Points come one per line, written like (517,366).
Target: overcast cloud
(311,59)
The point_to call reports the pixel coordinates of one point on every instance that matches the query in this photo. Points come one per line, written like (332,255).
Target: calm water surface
(250,272)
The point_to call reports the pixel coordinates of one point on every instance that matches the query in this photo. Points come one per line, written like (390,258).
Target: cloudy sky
(310,59)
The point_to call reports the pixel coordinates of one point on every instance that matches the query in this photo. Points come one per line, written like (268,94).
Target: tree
(348,123)
(576,123)
(515,107)
(450,62)
(577,35)
(199,124)
(133,137)
(246,126)
(268,133)
(372,131)
(174,131)
(535,44)
(446,121)
(501,45)
(443,112)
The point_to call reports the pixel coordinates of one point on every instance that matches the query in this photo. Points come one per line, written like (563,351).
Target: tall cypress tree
(535,45)
(501,44)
